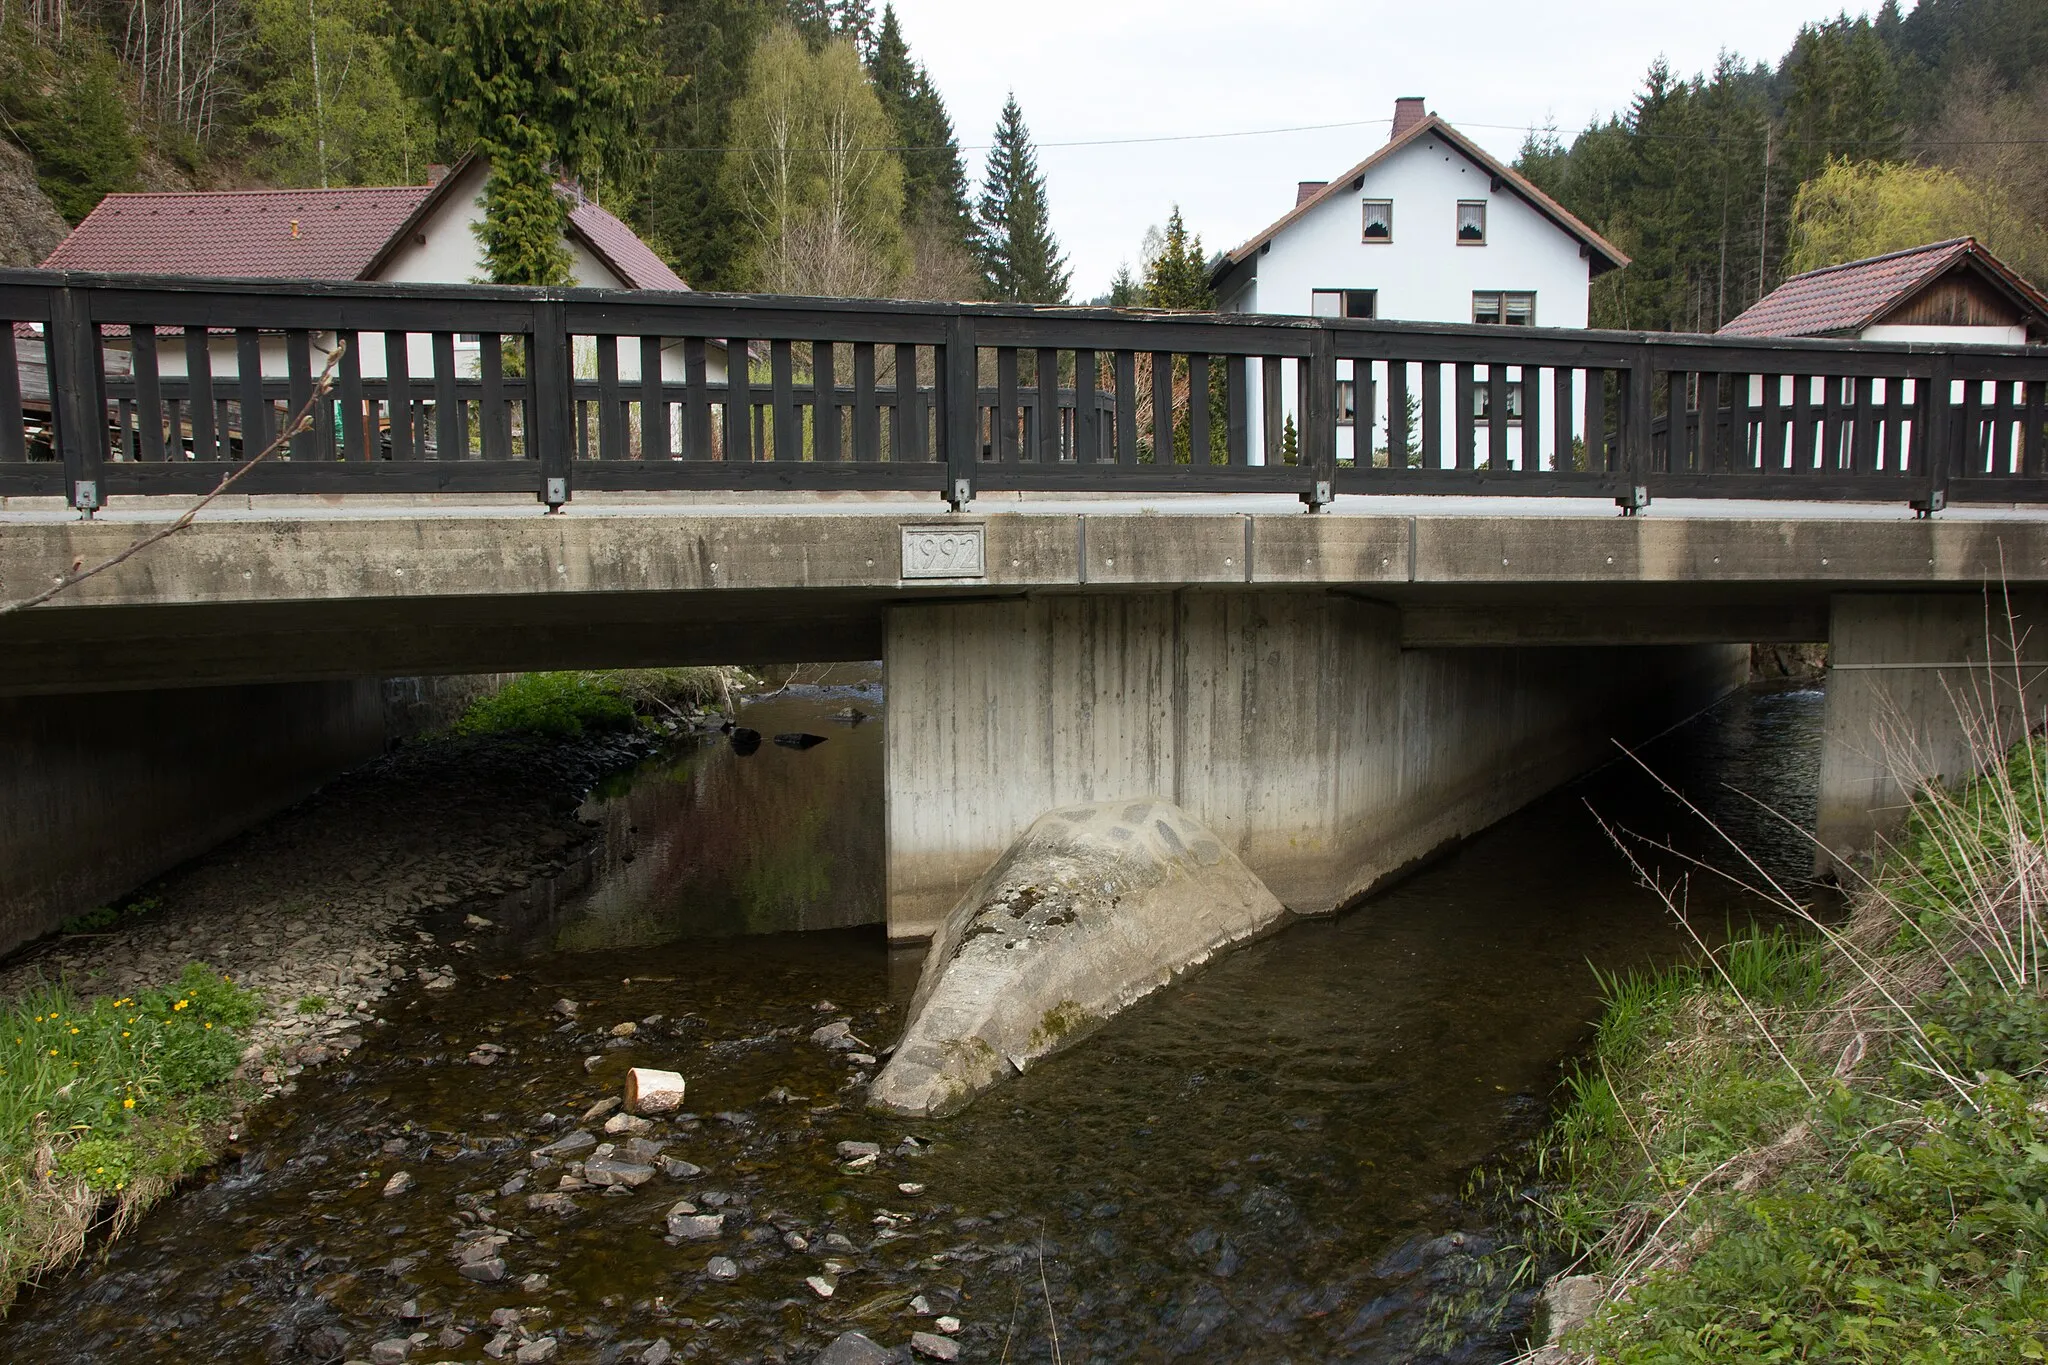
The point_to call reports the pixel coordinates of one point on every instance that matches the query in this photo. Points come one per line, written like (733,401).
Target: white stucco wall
(1949,336)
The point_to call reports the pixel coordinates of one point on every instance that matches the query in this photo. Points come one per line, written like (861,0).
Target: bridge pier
(1910,676)
(1292,723)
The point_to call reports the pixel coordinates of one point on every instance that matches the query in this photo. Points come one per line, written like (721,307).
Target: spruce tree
(934,173)
(1177,276)
(1020,259)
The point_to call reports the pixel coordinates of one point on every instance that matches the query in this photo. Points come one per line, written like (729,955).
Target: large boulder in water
(1091,909)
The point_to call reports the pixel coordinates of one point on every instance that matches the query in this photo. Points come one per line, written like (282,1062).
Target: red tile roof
(621,249)
(266,234)
(1843,299)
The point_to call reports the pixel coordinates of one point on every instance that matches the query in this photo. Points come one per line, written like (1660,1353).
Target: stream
(1263,1163)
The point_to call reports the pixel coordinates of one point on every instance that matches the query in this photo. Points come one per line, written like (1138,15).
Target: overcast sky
(1087,70)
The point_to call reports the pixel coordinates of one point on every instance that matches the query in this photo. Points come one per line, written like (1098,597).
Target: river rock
(537,1351)
(649,1091)
(1569,1302)
(691,1226)
(398,1184)
(488,1271)
(723,1268)
(609,1171)
(568,1145)
(1091,909)
(851,1348)
(934,1347)
(632,1125)
(390,1351)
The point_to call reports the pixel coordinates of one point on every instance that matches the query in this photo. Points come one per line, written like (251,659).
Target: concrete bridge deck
(272,589)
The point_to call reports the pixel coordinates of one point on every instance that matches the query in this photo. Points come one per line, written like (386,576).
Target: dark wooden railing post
(959,410)
(1634,456)
(549,384)
(1939,441)
(78,398)
(1318,434)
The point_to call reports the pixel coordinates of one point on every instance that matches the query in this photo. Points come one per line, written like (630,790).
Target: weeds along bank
(1829,1145)
(131,1041)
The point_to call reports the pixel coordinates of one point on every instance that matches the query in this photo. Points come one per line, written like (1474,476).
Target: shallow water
(1260,1164)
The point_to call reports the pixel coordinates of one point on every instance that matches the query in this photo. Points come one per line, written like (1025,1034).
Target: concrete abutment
(1291,723)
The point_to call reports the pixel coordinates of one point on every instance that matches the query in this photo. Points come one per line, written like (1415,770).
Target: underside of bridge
(1338,695)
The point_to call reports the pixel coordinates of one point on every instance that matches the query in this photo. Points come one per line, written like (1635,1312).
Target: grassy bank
(104,1106)
(1830,1145)
(576,703)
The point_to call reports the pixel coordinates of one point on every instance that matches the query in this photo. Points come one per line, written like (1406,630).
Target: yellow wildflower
(128,1103)
(209,1023)
(181,1004)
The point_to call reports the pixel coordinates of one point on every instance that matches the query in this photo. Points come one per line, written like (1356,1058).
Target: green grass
(311,1004)
(1877,1193)
(566,705)
(105,1103)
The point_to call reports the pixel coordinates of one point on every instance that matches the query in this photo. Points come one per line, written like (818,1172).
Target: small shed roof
(1842,300)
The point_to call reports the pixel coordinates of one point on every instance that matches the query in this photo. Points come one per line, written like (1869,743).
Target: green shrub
(558,704)
(311,1004)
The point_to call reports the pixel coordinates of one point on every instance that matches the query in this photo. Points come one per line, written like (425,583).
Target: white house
(1428,228)
(392,234)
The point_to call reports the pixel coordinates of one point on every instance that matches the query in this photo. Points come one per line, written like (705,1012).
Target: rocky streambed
(1266,1162)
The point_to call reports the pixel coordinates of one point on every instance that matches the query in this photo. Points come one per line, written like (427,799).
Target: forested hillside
(788,144)
(1869,135)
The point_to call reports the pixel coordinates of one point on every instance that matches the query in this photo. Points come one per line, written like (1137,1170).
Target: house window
(1510,308)
(1471,222)
(1347,402)
(1482,401)
(1379,220)
(1344,303)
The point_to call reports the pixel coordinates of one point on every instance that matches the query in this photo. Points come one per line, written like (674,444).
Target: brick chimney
(1408,112)
(1307,190)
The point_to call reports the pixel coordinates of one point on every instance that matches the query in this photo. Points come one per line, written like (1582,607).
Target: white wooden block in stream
(653,1092)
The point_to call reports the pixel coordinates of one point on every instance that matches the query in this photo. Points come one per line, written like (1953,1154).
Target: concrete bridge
(1066,612)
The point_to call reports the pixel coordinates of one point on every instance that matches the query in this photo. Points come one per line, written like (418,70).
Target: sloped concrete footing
(1093,908)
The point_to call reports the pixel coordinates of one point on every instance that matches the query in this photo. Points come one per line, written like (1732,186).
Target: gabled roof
(334,234)
(1604,254)
(258,234)
(622,250)
(1844,299)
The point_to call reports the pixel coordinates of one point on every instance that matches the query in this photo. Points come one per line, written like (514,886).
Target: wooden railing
(117,386)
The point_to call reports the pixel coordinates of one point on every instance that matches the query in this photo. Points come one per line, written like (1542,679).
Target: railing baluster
(1971,447)
(1399,432)
(13,434)
(1272,411)
(1771,441)
(398,393)
(494,418)
(956,381)
(1125,369)
(1200,446)
(1087,420)
(298,363)
(1048,413)
(1863,437)
(906,424)
(1532,420)
(1561,407)
(867,412)
(1496,416)
(1890,415)
(789,433)
(349,380)
(1432,415)
(2033,436)
(611,433)
(249,382)
(77,396)
(1007,406)
(654,441)
(1237,411)
(824,402)
(1464,419)
(739,400)
(1805,425)
(1162,407)
(149,394)
(697,405)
